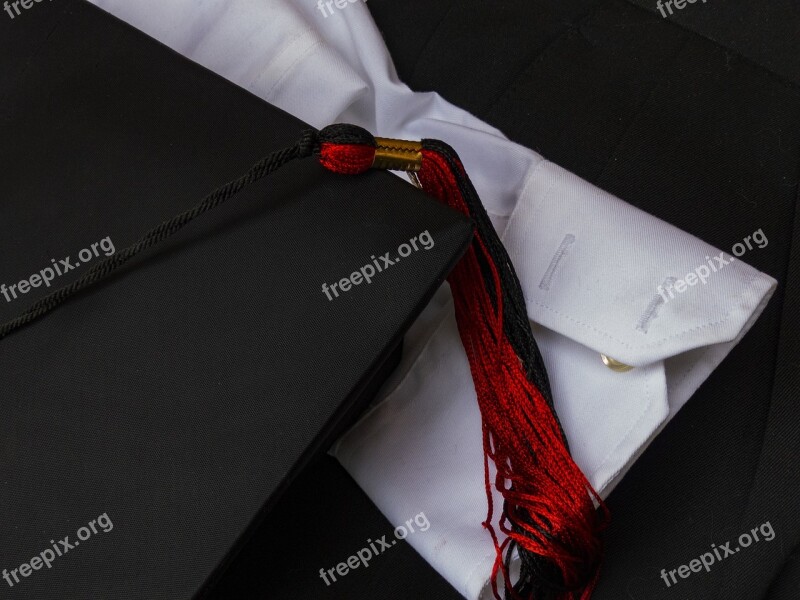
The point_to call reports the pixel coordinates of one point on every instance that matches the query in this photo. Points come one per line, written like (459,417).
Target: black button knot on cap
(308,143)
(344,133)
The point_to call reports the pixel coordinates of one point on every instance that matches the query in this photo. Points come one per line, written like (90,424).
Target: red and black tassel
(551,516)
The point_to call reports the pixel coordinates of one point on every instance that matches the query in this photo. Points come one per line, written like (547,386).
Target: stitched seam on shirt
(295,39)
(200,31)
(536,207)
(475,566)
(524,192)
(561,252)
(493,213)
(683,377)
(653,308)
(655,343)
(627,434)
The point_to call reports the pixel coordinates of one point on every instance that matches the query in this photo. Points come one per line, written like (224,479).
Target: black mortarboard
(150,420)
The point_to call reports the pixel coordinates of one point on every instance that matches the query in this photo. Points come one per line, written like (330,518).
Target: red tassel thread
(551,513)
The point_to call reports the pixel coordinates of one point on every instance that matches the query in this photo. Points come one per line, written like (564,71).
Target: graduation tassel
(551,516)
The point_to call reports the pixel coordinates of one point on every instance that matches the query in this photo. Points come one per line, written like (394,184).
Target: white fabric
(589,265)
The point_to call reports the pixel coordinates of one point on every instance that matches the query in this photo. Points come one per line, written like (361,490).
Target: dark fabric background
(696,119)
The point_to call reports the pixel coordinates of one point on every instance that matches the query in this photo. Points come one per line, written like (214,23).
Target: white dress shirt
(590,267)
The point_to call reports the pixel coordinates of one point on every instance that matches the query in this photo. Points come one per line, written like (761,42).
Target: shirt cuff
(600,277)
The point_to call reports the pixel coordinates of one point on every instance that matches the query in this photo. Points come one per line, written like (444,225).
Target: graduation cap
(182,333)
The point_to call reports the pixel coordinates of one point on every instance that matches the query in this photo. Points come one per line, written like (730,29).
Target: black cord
(307,145)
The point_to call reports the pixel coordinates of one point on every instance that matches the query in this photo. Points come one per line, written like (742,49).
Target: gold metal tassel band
(397,155)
